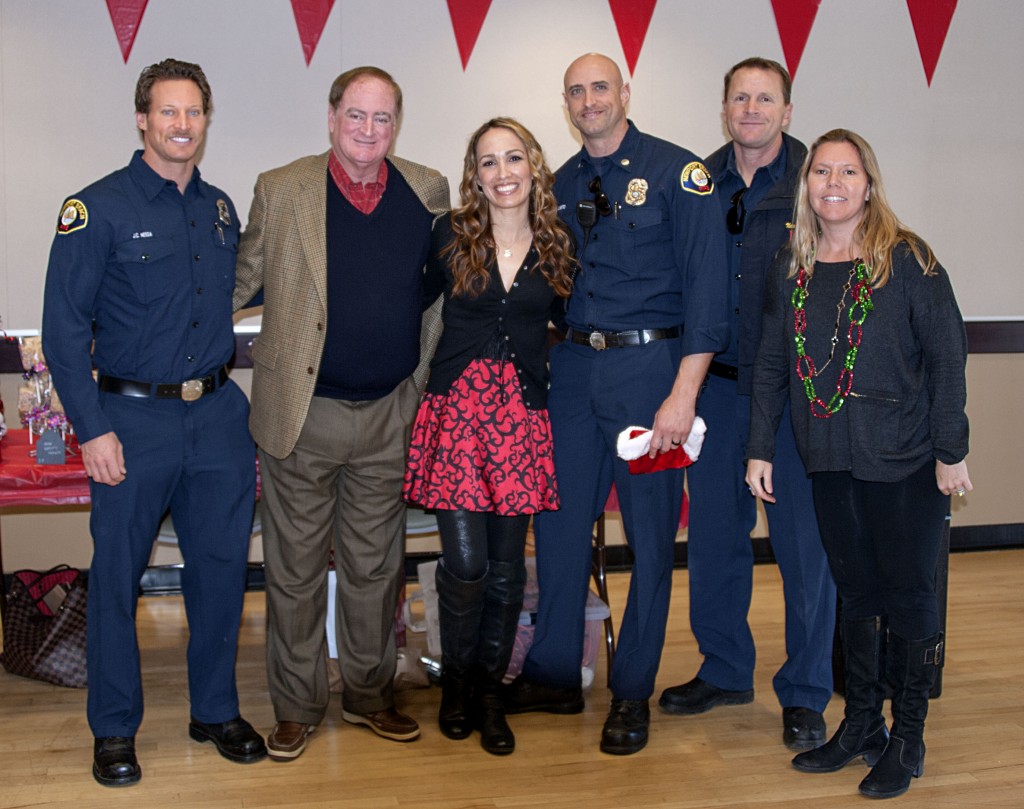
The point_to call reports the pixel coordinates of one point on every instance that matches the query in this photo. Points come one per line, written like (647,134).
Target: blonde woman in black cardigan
(863,334)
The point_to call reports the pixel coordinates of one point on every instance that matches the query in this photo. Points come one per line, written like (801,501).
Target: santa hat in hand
(634,444)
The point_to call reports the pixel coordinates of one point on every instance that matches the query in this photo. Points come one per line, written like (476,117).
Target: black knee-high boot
(499,623)
(460,605)
(862,732)
(911,669)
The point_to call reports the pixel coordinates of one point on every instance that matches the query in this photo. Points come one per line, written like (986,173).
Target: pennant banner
(310,18)
(632,18)
(931,20)
(126,15)
(794,19)
(467,19)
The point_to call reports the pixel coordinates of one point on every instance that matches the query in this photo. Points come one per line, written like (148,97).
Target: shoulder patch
(696,179)
(73,216)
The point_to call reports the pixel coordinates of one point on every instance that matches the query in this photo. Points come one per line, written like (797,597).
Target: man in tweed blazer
(337,242)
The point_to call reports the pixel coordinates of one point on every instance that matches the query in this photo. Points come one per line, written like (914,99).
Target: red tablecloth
(23,482)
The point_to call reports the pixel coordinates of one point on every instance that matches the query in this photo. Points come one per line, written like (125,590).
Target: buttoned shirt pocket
(645,229)
(225,244)
(642,222)
(148,266)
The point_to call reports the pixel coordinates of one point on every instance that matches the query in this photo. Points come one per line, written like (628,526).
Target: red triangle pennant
(794,19)
(467,19)
(310,18)
(931,20)
(632,17)
(126,15)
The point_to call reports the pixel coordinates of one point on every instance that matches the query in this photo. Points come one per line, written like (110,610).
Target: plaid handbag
(44,626)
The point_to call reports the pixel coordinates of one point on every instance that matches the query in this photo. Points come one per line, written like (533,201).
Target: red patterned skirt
(479,447)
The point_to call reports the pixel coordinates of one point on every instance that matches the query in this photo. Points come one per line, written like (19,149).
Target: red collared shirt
(363,196)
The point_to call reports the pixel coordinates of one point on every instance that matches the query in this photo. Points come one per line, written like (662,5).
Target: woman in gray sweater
(863,334)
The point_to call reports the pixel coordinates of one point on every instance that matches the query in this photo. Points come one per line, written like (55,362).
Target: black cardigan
(909,391)
(470,324)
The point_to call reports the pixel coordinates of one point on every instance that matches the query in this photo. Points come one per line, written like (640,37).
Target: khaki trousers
(340,488)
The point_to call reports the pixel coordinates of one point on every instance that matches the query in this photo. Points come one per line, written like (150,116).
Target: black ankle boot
(912,667)
(460,605)
(862,732)
(496,736)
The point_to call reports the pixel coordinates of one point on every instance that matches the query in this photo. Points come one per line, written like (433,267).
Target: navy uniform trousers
(198,459)
(595,395)
(720,557)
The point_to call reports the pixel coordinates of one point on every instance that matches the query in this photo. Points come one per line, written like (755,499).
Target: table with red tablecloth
(23,482)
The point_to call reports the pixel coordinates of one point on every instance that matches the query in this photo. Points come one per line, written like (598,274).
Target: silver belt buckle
(597,341)
(191,390)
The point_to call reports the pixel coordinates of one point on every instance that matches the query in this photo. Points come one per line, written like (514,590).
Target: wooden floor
(730,757)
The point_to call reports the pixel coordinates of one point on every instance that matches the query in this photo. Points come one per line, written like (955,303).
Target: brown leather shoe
(389,723)
(288,740)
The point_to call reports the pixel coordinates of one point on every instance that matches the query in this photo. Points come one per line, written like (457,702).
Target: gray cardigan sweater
(906,406)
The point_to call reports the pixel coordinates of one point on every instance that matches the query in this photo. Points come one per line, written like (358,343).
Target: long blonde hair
(473,244)
(879,231)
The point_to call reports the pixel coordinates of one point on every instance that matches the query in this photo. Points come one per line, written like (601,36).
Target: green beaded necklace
(858,311)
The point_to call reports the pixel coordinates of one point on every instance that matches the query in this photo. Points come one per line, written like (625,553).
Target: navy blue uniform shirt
(658,260)
(769,207)
(148,272)
(729,183)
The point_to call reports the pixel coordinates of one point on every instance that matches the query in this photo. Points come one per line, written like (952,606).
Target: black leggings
(882,542)
(470,538)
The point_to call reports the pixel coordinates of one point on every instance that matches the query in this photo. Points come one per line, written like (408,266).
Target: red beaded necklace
(858,311)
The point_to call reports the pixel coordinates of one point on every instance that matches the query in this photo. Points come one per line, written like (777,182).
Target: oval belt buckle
(191,390)
(597,341)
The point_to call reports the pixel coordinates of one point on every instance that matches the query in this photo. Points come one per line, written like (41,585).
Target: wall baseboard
(166,579)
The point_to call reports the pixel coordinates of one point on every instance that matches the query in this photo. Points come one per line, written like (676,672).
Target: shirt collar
(623,157)
(345,184)
(152,183)
(776,169)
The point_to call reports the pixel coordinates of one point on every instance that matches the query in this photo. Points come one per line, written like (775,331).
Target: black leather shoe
(235,739)
(802,728)
(523,696)
(496,736)
(698,696)
(113,761)
(625,729)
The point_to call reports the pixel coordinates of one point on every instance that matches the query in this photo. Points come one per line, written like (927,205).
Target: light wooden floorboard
(729,757)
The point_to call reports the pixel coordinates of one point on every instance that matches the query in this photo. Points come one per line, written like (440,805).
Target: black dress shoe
(625,729)
(522,696)
(802,728)
(235,739)
(698,696)
(113,761)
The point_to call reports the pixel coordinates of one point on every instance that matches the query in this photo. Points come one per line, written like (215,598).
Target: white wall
(66,114)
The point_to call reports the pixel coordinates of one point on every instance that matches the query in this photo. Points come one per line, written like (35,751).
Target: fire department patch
(73,216)
(696,179)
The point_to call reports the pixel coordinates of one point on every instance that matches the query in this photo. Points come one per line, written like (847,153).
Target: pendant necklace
(860,306)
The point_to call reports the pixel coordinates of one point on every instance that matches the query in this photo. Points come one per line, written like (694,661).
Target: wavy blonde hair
(473,246)
(879,232)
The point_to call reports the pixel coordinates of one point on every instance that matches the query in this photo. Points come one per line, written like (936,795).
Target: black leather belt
(189,390)
(724,371)
(600,340)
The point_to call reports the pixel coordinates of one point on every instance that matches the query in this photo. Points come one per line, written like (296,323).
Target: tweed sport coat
(284,251)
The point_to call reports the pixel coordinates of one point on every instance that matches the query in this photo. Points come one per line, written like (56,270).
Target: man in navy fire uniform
(139,284)
(646,315)
(757,173)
